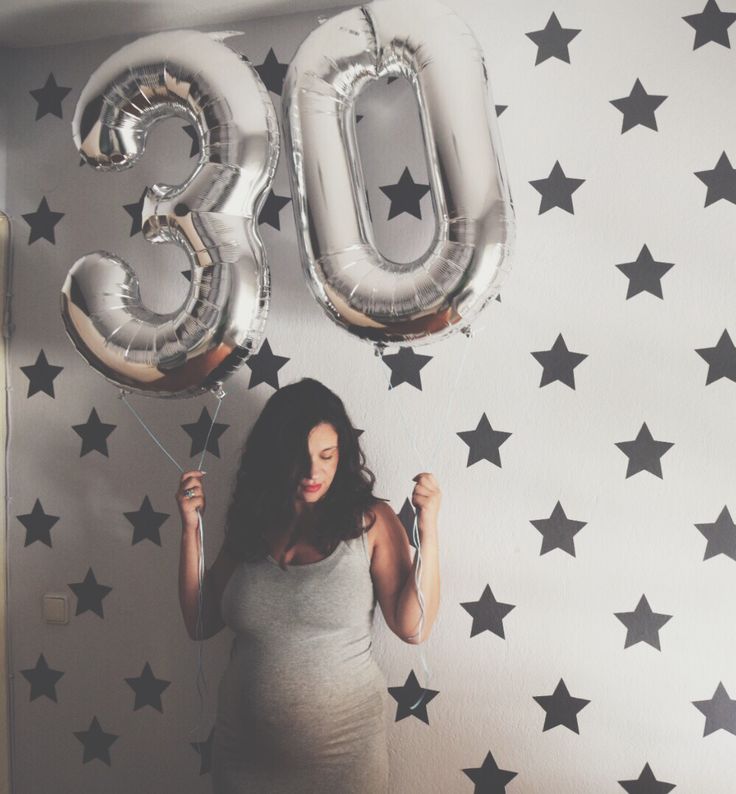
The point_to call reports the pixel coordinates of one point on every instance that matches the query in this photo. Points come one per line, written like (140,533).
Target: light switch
(55,608)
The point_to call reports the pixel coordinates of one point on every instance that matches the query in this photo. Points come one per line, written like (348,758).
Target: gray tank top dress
(300,706)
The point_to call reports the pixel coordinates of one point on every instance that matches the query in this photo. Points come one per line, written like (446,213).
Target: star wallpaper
(583,435)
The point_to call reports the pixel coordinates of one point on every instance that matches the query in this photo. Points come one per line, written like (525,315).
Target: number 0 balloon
(367,294)
(212,216)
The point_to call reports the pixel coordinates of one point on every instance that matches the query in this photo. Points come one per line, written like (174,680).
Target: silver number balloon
(212,215)
(367,294)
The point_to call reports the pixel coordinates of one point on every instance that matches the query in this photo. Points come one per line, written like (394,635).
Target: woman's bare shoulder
(383,513)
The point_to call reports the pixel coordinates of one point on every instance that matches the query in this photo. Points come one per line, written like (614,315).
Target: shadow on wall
(83,21)
(99,19)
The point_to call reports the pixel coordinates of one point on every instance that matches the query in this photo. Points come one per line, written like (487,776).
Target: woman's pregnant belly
(298,704)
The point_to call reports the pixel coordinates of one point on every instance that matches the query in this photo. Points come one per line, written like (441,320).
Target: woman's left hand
(426,498)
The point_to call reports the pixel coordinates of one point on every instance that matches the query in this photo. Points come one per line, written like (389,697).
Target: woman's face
(323,454)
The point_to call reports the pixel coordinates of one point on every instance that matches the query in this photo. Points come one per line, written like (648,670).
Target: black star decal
(41,376)
(720,181)
(146,522)
(711,24)
(272,72)
(96,742)
(147,689)
(558,531)
(558,363)
(405,367)
(264,366)
(721,359)
(721,536)
(646,784)
(642,625)
(487,613)
(484,442)
(412,699)
(135,210)
(42,679)
(198,431)
(89,594)
(644,274)
(272,206)
(49,97)
(561,708)
(191,131)
(205,753)
(556,189)
(638,107)
(552,40)
(94,434)
(406,516)
(405,195)
(720,711)
(42,222)
(644,452)
(38,525)
(489,778)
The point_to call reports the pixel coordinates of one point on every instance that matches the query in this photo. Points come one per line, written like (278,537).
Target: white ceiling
(38,23)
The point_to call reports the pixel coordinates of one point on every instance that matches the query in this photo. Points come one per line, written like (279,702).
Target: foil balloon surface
(367,294)
(212,216)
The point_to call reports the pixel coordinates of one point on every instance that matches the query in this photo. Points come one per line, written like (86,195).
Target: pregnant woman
(308,550)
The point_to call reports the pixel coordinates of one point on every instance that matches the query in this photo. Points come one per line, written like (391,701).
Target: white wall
(636,533)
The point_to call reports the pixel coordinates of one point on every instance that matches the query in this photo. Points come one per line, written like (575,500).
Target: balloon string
(415,528)
(199,631)
(135,413)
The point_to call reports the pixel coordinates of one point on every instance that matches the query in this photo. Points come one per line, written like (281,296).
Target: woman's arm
(189,589)
(408,611)
(393,572)
(192,503)
(426,498)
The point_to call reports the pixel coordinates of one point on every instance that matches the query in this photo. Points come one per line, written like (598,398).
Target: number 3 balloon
(367,294)
(212,216)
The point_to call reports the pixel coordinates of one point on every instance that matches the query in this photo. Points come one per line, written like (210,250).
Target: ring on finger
(189,493)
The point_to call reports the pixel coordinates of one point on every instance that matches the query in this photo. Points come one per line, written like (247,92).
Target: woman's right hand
(188,505)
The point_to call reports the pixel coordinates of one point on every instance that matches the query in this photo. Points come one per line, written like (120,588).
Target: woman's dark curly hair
(275,460)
